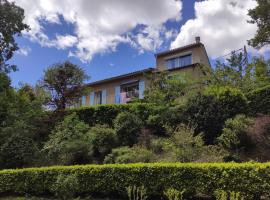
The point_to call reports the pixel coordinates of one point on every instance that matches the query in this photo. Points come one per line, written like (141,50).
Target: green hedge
(259,100)
(246,178)
(105,114)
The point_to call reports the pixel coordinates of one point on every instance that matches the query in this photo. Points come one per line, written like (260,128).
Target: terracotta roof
(178,49)
(122,76)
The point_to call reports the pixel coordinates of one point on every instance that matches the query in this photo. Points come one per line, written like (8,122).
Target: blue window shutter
(117,94)
(104,96)
(92,98)
(83,100)
(141,89)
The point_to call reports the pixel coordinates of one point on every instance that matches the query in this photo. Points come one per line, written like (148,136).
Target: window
(179,61)
(98,98)
(129,91)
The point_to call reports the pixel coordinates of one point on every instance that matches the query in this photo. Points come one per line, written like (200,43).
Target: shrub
(173,194)
(209,111)
(234,136)
(183,146)
(101,140)
(67,143)
(18,151)
(65,186)
(129,155)
(136,193)
(246,178)
(106,114)
(128,127)
(259,100)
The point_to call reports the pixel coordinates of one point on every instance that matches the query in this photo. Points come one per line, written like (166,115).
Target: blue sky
(134,41)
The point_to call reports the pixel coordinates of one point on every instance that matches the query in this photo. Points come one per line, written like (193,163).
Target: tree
(128,128)
(164,89)
(64,83)
(261,16)
(235,72)
(102,140)
(68,142)
(207,112)
(18,151)
(11,25)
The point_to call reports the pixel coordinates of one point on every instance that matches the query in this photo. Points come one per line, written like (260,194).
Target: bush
(18,151)
(259,100)
(128,127)
(183,146)
(68,142)
(101,140)
(246,178)
(129,155)
(234,136)
(65,186)
(209,111)
(106,114)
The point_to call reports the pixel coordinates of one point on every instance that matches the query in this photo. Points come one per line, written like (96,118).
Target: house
(121,89)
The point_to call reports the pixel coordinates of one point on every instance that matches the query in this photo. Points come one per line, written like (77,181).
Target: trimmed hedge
(259,100)
(246,178)
(105,114)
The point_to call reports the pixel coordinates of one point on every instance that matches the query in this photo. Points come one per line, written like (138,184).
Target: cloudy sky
(112,37)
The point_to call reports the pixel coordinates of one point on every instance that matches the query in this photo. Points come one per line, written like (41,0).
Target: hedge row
(246,178)
(259,100)
(105,114)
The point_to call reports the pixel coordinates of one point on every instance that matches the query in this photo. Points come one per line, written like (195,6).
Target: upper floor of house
(123,88)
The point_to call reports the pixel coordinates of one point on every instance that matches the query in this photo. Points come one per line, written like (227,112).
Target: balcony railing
(127,96)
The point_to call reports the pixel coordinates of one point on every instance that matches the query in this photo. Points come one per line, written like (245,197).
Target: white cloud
(65,41)
(24,51)
(100,25)
(222,25)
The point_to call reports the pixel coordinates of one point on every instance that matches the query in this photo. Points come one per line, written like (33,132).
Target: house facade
(121,89)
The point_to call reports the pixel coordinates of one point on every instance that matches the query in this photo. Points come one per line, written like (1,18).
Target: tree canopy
(11,25)
(65,84)
(261,16)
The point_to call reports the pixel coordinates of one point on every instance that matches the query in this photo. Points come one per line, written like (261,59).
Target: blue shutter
(92,98)
(83,100)
(117,94)
(104,96)
(141,89)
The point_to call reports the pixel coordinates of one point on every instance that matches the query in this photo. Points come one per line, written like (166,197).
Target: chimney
(198,39)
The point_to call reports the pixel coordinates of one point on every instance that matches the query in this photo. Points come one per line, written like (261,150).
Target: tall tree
(64,83)
(11,25)
(261,16)
(236,73)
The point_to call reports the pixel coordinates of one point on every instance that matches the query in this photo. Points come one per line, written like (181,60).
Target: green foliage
(164,89)
(237,73)
(11,26)
(21,111)
(183,146)
(234,134)
(129,155)
(259,100)
(65,186)
(102,140)
(260,16)
(106,114)
(208,112)
(136,193)
(68,142)
(64,82)
(248,179)
(173,194)
(18,152)
(223,195)
(128,127)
